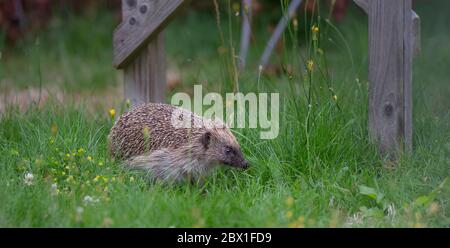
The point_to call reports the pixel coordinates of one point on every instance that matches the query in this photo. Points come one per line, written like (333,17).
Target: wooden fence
(394,31)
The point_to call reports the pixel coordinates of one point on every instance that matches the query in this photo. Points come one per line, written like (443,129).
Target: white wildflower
(79,210)
(28,179)
(89,200)
(78,216)
(54,189)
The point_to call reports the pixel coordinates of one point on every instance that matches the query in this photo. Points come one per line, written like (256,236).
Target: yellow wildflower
(112,113)
(310,65)
(54,129)
(96,178)
(246,8)
(236,8)
(334,97)
(289,214)
(315,29)
(89,158)
(289,201)
(299,223)
(295,22)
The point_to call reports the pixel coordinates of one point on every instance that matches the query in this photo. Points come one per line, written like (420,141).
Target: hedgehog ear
(205,139)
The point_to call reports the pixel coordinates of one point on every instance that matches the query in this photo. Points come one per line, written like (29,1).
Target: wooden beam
(142,21)
(390,63)
(145,75)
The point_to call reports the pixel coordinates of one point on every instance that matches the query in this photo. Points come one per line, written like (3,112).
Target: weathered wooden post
(393,37)
(139,48)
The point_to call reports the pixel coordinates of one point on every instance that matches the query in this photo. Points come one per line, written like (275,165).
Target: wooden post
(139,48)
(145,77)
(393,37)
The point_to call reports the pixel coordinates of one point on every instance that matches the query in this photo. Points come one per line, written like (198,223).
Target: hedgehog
(148,138)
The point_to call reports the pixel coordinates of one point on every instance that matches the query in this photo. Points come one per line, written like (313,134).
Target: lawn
(321,171)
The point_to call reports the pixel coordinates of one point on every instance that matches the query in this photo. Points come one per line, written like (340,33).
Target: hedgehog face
(224,151)
(233,156)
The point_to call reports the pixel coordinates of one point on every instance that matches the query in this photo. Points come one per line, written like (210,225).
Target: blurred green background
(70,50)
(321,171)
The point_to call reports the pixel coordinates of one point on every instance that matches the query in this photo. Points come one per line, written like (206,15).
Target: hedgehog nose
(245,165)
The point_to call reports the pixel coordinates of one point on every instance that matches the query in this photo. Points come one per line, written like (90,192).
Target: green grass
(321,171)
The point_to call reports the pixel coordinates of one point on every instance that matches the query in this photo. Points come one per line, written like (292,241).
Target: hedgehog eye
(229,150)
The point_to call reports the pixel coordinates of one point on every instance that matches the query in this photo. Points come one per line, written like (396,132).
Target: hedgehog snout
(240,162)
(245,165)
